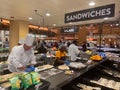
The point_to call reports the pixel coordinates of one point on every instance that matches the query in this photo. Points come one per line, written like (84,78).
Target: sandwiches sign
(90,14)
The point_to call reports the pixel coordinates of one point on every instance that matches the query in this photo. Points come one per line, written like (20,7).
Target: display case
(102,77)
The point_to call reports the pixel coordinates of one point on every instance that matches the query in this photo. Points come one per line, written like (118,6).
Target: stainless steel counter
(61,79)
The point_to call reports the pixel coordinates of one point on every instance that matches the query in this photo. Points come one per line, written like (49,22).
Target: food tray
(4,78)
(48,73)
(77,65)
(44,67)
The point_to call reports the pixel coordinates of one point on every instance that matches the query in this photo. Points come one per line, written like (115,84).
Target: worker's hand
(32,68)
(22,68)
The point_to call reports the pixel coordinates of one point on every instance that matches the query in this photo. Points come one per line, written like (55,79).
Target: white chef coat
(19,57)
(73,51)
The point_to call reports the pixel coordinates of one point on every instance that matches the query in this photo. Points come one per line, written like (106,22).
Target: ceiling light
(30,18)
(117,24)
(106,18)
(54,25)
(47,14)
(91,3)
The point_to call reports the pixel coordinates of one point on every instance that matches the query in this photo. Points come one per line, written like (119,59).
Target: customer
(84,46)
(22,56)
(73,50)
(42,49)
(60,56)
(6,43)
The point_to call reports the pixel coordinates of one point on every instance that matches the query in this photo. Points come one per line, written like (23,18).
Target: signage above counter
(69,30)
(90,14)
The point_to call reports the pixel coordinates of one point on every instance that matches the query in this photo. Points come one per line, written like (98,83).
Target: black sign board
(90,14)
(69,30)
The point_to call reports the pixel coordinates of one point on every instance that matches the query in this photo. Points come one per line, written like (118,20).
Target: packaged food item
(15,83)
(35,77)
(4,78)
(69,72)
(26,80)
(88,52)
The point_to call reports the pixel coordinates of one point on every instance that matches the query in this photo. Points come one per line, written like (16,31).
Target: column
(58,35)
(82,36)
(18,30)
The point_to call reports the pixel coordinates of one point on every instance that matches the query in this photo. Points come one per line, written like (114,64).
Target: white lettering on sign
(89,14)
(69,30)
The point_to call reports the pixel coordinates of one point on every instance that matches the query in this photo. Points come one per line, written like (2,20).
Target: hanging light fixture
(47,14)
(36,12)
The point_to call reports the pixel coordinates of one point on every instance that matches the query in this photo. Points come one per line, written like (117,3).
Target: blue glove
(32,68)
(67,62)
(102,54)
(28,70)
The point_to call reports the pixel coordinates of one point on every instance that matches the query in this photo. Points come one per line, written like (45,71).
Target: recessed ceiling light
(30,18)
(91,3)
(117,24)
(47,14)
(106,18)
(54,25)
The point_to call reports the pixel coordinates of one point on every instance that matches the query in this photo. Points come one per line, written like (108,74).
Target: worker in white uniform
(20,42)
(22,56)
(73,51)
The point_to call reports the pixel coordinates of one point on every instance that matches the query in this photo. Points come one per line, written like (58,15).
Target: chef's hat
(29,39)
(21,41)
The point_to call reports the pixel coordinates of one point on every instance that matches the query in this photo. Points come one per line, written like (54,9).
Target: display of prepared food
(107,83)
(112,56)
(89,62)
(44,67)
(63,67)
(88,52)
(69,72)
(5,78)
(111,72)
(96,58)
(5,85)
(50,72)
(86,87)
(77,65)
